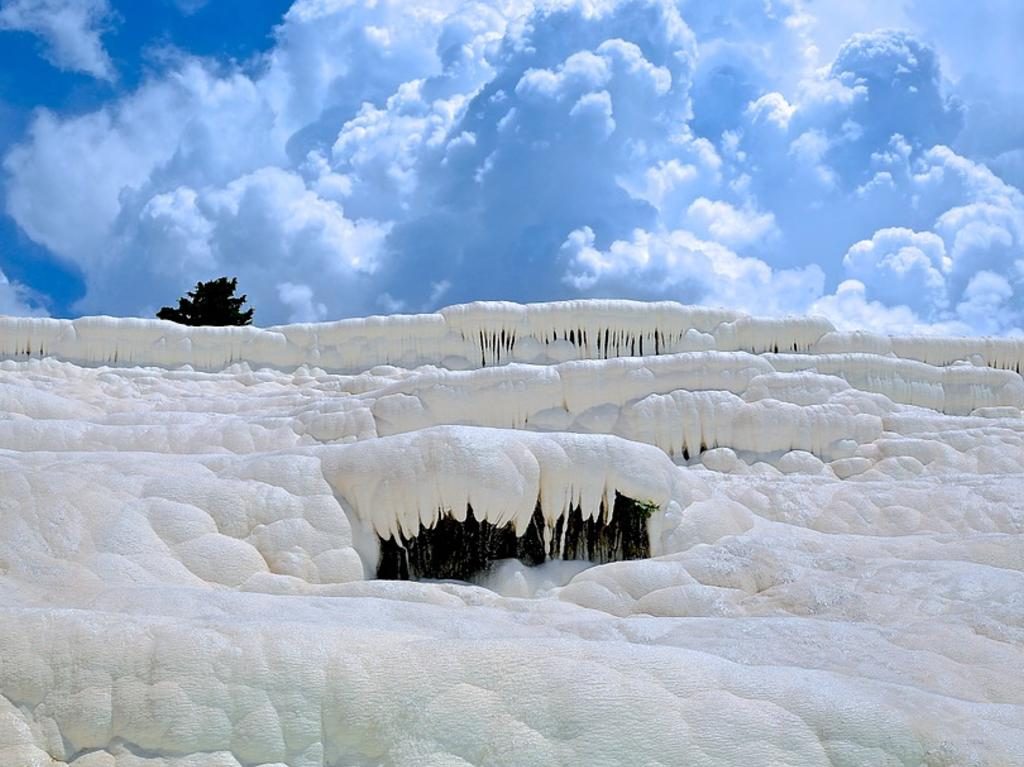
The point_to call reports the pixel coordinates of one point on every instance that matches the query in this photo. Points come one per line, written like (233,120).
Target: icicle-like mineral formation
(478,335)
(693,537)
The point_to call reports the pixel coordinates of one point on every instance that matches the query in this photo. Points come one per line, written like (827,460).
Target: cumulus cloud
(902,265)
(585,101)
(849,308)
(723,223)
(396,155)
(897,81)
(693,270)
(258,226)
(206,170)
(16,299)
(299,298)
(192,127)
(70,29)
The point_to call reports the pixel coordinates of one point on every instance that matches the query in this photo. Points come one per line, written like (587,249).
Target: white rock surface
(838,575)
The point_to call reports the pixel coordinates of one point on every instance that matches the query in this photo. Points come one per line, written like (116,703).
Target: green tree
(211,303)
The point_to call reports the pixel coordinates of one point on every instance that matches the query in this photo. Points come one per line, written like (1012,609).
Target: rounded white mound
(190,521)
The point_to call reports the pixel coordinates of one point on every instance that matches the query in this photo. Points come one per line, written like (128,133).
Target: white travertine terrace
(189,524)
(500,473)
(471,335)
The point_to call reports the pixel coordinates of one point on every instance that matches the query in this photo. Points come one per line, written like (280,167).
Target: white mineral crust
(189,524)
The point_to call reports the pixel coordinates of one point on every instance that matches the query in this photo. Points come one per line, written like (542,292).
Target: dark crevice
(453,550)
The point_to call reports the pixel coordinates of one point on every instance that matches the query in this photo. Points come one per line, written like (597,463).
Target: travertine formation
(190,522)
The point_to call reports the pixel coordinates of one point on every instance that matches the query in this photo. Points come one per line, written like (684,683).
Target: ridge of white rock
(190,522)
(476,335)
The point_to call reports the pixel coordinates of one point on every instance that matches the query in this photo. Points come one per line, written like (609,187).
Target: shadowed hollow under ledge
(461,550)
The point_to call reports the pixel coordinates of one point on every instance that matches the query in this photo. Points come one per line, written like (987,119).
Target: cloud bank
(390,156)
(70,30)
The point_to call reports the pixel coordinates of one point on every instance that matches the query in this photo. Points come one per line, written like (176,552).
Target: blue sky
(344,157)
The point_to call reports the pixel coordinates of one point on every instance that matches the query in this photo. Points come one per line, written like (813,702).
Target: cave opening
(453,550)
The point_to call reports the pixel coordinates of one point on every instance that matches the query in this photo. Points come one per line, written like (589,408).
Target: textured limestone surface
(190,522)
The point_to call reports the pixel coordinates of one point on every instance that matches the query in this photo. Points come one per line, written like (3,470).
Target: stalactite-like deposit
(462,550)
(481,334)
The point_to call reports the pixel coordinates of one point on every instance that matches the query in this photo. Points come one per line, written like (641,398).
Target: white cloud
(71,30)
(580,73)
(773,108)
(900,265)
(984,304)
(396,155)
(299,298)
(380,148)
(192,127)
(595,108)
(849,308)
(261,227)
(185,172)
(16,299)
(681,264)
(662,179)
(737,228)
